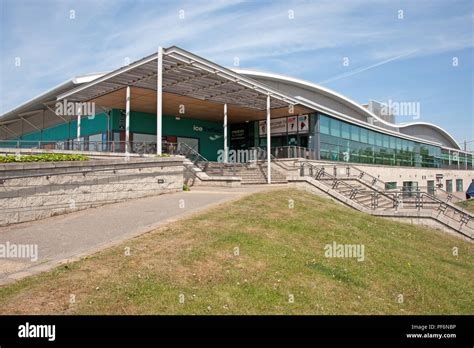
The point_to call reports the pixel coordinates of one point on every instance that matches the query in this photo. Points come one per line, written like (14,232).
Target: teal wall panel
(210,134)
(89,125)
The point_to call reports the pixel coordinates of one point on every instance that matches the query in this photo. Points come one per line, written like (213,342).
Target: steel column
(269,172)
(226,150)
(159,101)
(127,120)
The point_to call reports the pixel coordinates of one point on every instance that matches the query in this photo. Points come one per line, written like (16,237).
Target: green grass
(281,253)
(45,157)
(467,204)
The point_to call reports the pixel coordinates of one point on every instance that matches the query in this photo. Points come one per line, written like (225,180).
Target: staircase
(250,173)
(255,173)
(364,192)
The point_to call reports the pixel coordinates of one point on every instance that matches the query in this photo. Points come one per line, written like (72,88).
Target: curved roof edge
(348,101)
(435,127)
(39,99)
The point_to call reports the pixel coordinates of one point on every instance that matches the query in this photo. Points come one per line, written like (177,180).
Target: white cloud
(54,48)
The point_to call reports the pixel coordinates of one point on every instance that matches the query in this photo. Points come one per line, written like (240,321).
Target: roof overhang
(187,75)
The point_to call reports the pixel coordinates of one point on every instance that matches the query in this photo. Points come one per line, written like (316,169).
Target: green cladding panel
(89,125)
(210,134)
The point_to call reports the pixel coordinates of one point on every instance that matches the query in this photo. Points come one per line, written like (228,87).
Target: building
(205,106)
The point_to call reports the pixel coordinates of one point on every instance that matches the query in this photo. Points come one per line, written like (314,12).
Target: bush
(45,157)
(186,188)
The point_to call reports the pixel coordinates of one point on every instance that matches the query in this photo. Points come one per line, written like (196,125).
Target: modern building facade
(214,110)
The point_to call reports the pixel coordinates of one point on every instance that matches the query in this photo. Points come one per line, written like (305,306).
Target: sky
(389,51)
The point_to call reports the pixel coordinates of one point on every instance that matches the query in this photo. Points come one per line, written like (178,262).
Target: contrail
(357,71)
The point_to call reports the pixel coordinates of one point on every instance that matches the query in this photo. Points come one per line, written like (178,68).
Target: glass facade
(342,141)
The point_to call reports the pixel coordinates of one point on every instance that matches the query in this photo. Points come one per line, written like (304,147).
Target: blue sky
(407,59)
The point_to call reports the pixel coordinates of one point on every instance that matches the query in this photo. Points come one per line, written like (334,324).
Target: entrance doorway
(410,188)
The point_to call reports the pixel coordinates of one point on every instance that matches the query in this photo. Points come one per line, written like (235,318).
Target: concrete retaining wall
(32,191)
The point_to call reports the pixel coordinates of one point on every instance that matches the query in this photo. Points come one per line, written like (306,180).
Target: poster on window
(303,124)
(292,124)
(278,126)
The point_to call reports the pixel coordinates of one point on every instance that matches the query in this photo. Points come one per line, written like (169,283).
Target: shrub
(44,157)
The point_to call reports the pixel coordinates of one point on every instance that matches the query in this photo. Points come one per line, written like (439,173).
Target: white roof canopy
(188,75)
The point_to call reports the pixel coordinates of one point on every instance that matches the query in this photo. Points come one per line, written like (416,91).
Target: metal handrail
(194,156)
(465,215)
(141,147)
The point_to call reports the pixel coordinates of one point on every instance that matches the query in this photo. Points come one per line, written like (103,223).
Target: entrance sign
(262,127)
(279,126)
(292,124)
(237,134)
(303,124)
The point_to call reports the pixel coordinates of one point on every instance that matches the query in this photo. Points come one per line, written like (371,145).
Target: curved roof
(351,104)
(434,127)
(38,101)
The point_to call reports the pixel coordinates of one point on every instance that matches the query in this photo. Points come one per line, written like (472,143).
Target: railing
(194,156)
(293,152)
(336,183)
(140,147)
(400,198)
(353,172)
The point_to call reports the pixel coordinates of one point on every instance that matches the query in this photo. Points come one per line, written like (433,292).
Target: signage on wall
(303,124)
(292,124)
(285,125)
(278,126)
(197,128)
(237,134)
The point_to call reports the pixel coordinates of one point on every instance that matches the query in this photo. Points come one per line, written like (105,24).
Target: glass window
(392,185)
(371,138)
(405,145)
(459,186)
(386,141)
(324,124)
(378,139)
(393,142)
(399,144)
(355,133)
(335,129)
(364,134)
(346,130)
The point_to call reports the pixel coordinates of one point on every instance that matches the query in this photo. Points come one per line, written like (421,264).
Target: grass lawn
(191,266)
(468,205)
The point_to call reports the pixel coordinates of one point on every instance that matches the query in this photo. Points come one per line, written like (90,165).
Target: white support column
(78,131)
(159,101)
(269,137)
(226,150)
(127,121)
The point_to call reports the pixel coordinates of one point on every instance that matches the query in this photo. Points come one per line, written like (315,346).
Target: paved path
(68,237)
